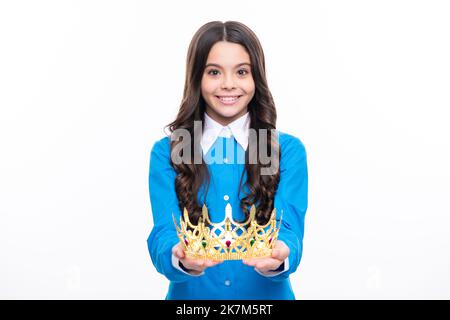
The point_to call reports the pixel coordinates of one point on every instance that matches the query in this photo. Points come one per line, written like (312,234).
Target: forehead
(227,54)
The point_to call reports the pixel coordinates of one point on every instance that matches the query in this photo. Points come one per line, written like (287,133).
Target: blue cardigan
(230,279)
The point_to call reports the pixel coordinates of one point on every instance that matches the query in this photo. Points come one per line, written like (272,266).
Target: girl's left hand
(280,252)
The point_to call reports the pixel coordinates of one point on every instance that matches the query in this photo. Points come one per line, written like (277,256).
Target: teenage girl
(226,91)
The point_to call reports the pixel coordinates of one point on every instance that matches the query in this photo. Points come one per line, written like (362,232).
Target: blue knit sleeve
(291,199)
(164,202)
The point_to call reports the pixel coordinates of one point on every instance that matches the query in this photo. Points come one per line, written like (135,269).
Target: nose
(228,81)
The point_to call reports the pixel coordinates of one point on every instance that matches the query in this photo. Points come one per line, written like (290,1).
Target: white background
(86,88)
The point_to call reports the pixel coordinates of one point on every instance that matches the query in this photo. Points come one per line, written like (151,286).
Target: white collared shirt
(238,129)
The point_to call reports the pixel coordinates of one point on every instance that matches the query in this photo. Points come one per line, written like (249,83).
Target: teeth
(228,99)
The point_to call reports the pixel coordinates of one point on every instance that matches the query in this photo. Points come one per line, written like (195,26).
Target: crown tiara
(228,240)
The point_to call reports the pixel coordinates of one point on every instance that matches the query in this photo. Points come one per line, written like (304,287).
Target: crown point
(228,212)
(252,212)
(186,215)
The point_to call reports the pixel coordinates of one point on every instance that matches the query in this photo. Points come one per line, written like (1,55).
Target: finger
(211,263)
(270,268)
(260,265)
(283,247)
(268,265)
(181,253)
(276,253)
(188,264)
(178,252)
(191,266)
(199,263)
(280,254)
(250,262)
(191,263)
(280,244)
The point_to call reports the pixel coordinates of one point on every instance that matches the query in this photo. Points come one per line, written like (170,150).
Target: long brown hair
(262,112)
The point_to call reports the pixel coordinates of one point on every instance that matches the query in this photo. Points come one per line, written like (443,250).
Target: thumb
(178,252)
(280,254)
(276,254)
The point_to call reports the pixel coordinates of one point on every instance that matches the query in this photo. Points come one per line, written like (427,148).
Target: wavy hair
(190,176)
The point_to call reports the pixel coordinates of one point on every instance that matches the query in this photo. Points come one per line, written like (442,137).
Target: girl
(226,89)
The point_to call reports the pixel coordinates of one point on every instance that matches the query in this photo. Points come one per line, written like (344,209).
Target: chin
(227,113)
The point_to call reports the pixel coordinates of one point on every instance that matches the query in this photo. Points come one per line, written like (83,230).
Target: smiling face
(227,83)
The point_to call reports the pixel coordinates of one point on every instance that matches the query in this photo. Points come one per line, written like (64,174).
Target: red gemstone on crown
(270,240)
(185,241)
(228,242)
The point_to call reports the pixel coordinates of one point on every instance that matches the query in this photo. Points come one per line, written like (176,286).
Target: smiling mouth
(228,100)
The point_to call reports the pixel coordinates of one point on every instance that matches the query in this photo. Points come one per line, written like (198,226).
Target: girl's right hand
(195,266)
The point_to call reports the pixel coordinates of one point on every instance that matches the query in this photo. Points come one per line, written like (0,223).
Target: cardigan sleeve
(164,202)
(291,200)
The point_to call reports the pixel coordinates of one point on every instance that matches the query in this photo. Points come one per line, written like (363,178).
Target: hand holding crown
(229,240)
(195,266)
(264,265)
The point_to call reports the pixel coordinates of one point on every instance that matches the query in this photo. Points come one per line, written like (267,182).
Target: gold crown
(228,240)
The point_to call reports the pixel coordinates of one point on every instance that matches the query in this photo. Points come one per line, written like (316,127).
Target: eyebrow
(219,66)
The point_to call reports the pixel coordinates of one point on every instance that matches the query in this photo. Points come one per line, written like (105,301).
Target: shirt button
(227,283)
(226,197)
(225,160)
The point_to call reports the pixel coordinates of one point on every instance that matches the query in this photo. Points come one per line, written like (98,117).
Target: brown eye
(213,70)
(244,70)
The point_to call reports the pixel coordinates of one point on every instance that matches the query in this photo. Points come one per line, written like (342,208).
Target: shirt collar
(238,129)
